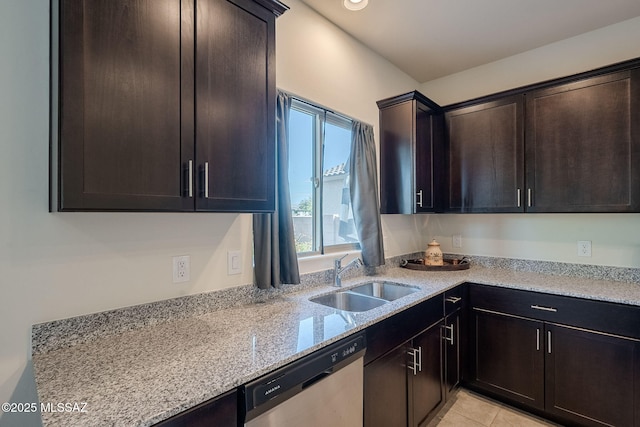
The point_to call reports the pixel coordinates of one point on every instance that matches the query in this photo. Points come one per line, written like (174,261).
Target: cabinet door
(121,146)
(590,376)
(410,154)
(583,148)
(451,341)
(486,157)
(426,393)
(220,412)
(508,357)
(385,390)
(235,106)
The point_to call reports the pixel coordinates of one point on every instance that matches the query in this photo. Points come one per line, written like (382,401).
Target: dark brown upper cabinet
(485,156)
(583,145)
(411,132)
(163,105)
(568,145)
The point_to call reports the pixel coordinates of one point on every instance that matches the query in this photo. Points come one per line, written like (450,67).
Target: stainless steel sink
(365,297)
(348,301)
(386,290)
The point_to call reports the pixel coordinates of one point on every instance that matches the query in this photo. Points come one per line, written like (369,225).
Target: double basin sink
(366,296)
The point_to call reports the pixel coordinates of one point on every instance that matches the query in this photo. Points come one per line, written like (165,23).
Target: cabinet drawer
(601,316)
(388,334)
(455,299)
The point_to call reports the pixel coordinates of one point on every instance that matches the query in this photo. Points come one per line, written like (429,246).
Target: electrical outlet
(584,248)
(234,262)
(457,241)
(181,269)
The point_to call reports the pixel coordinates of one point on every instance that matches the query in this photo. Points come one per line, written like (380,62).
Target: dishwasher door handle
(317,378)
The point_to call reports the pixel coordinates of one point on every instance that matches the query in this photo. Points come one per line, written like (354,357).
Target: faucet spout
(338,269)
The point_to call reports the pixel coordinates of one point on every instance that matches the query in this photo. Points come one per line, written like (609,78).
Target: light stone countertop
(142,376)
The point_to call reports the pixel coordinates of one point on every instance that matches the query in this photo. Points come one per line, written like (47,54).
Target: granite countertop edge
(169,376)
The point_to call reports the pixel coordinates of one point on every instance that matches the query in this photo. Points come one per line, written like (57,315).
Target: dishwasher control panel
(266,392)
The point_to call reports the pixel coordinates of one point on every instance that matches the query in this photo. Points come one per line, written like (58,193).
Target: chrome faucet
(338,269)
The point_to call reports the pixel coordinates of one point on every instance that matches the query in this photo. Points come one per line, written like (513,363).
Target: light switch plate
(234,262)
(457,241)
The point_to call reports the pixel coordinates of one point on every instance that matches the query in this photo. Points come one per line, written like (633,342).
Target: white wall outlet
(234,262)
(457,241)
(181,269)
(584,248)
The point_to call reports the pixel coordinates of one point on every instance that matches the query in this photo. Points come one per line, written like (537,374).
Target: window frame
(322,116)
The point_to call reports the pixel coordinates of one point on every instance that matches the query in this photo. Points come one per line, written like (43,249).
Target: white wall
(59,265)
(319,62)
(615,237)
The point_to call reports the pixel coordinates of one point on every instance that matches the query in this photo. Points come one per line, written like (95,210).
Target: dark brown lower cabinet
(221,411)
(405,363)
(572,374)
(590,376)
(508,358)
(452,352)
(404,387)
(385,390)
(424,383)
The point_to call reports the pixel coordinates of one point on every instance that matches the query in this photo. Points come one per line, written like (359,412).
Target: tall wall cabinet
(163,105)
(410,154)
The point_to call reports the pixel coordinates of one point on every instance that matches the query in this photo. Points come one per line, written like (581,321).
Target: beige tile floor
(468,409)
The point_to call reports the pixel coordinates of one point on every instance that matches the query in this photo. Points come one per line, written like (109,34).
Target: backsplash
(587,271)
(63,333)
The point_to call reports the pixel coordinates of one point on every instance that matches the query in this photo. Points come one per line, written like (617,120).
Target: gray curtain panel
(274,251)
(364,193)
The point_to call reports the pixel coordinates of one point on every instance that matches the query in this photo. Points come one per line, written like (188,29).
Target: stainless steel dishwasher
(319,390)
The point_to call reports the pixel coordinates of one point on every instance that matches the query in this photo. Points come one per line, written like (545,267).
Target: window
(319,149)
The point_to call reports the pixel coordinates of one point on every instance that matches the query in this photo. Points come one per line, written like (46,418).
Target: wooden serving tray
(418,264)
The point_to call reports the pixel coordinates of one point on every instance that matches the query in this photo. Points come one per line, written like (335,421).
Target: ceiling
(428,39)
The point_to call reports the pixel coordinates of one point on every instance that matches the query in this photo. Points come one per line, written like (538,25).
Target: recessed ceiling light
(355,4)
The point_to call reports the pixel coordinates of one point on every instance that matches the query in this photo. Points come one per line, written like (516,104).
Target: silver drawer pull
(419,201)
(453,300)
(450,339)
(539,307)
(206,180)
(416,366)
(190,178)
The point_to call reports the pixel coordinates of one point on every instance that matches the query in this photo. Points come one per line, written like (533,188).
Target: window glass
(302,128)
(338,227)
(319,149)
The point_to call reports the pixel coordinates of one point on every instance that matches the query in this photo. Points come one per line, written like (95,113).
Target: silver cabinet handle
(453,300)
(549,342)
(529,197)
(419,201)
(538,339)
(206,180)
(539,307)
(447,338)
(414,365)
(190,178)
(518,197)
(419,359)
